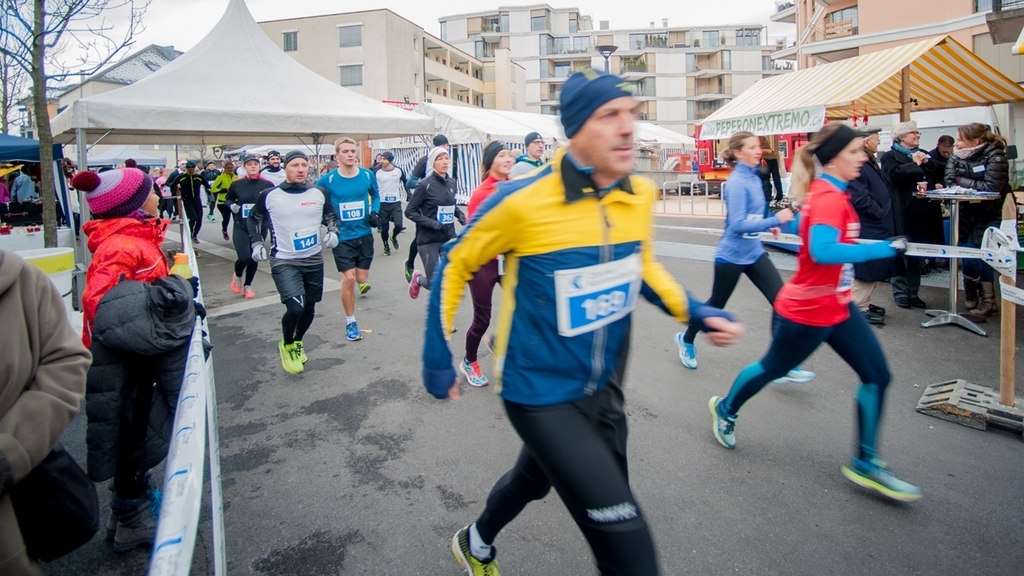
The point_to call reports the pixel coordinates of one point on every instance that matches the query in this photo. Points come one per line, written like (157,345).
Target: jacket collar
(578,182)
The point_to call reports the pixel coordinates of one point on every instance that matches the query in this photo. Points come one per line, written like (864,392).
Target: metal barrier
(195,421)
(678,185)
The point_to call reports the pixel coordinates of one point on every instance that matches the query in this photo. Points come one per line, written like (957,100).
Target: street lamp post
(606,50)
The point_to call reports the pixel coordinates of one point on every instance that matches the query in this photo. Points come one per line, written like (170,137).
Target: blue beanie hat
(586,91)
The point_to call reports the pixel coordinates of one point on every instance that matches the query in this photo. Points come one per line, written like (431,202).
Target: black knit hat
(293,155)
(491,152)
(440,140)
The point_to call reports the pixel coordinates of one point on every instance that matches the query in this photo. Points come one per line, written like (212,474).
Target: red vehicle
(711,169)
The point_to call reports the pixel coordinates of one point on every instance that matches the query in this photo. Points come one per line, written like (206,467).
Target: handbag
(56,506)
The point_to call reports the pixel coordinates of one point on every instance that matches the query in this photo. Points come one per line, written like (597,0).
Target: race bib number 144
(595,296)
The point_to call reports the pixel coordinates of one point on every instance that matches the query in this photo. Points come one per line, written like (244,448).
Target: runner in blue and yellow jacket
(576,237)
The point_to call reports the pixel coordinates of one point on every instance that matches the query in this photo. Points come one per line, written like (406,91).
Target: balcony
(634,69)
(1005,21)
(706,95)
(785,11)
(491,33)
(839,29)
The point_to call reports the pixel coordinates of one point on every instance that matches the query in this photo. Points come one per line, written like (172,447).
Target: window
(691,62)
(291,41)
(561,45)
(726,60)
(504,23)
(721,85)
(484,50)
(982,5)
(562,69)
(711,38)
(748,37)
(350,35)
(636,42)
(538,23)
(581,44)
(351,75)
(513,101)
(841,22)
(766,62)
(573,26)
(444,31)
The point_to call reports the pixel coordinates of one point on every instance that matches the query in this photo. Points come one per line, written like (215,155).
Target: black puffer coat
(987,169)
(140,337)
(917,218)
(434,192)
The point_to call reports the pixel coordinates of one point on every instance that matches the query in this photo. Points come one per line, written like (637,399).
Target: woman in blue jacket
(740,251)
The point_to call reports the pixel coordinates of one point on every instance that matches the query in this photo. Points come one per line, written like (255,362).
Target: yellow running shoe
(472,566)
(301,350)
(290,358)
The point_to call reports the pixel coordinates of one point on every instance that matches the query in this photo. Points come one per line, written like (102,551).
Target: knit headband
(835,143)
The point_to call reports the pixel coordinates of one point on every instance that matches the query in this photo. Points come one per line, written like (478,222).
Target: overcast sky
(182,23)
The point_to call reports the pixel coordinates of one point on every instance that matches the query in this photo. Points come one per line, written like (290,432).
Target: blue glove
(700,311)
(439,382)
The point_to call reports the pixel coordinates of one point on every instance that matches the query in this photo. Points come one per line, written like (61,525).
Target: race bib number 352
(595,296)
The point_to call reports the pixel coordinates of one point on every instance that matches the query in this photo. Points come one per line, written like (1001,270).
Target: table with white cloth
(19,239)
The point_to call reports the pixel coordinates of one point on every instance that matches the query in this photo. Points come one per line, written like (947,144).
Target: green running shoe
(301,350)
(468,562)
(875,475)
(290,358)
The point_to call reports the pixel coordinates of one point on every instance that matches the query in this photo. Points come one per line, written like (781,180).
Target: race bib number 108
(595,296)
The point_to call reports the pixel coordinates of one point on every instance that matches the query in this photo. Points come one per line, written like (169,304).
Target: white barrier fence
(195,425)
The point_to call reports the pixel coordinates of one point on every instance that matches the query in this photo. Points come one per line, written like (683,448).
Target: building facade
(381,55)
(680,75)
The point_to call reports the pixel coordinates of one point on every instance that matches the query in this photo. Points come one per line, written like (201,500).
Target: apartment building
(680,74)
(379,54)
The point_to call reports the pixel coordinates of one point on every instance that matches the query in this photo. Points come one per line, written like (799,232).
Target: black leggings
(194,212)
(413,250)
(389,214)
(431,255)
(580,449)
(298,317)
(792,343)
(225,213)
(240,238)
(762,273)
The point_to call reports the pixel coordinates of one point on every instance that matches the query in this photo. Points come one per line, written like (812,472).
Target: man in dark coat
(939,155)
(904,167)
(871,199)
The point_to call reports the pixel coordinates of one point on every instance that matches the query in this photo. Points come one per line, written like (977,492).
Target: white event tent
(189,101)
(118,154)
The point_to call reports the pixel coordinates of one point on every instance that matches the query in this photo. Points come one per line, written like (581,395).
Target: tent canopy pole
(905,94)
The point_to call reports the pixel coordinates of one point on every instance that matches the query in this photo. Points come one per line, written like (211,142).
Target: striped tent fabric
(466,160)
(943,74)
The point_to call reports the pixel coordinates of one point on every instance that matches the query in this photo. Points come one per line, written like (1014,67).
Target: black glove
(435,225)
(200,309)
(373,219)
(462,219)
(194,281)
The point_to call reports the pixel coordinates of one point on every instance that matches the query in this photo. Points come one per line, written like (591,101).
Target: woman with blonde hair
(740,251)
(815,306)
(979,162)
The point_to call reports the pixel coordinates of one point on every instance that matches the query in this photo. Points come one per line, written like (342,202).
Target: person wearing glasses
(905,167)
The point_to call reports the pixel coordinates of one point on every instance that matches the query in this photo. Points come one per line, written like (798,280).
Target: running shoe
(394,240)
(387,251)
(687,352)
(723,425)
(473,374)
(236,285)
(364,287)
(196,241)
(352,332)
(301,350)
(468,562)
(875,475)
(408,274)
(796,376)
(226,237)
(289,358)
(249,293)
(414,285)
(209,217)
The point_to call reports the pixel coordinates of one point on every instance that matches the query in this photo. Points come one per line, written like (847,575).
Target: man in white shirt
(391,183)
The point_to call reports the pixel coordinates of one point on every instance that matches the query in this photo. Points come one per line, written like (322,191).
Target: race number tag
(390,197)
(446,214)
(351,211)
(305,239)
(246,208)
(753,235)
(845,278)
(595,296)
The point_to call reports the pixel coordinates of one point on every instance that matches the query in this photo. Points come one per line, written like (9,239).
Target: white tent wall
(118,154)
(188,102)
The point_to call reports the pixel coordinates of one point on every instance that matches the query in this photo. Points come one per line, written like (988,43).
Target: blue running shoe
(875,475)
(796,376)
(722,425)
(687,352)
(473,374)
(352,332)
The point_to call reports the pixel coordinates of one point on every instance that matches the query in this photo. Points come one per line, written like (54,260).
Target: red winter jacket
(122,248)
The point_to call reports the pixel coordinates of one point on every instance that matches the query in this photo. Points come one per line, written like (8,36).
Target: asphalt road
(351,468)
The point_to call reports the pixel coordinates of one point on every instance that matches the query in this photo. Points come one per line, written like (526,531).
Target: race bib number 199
(305,239)
(446,214)
(595,296)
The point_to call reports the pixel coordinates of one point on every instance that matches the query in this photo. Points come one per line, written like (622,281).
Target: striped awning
(943,74)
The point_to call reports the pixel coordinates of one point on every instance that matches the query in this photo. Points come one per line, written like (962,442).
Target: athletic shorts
(355,253)
(294,280)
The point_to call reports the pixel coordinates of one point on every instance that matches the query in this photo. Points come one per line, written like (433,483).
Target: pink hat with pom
(114,193)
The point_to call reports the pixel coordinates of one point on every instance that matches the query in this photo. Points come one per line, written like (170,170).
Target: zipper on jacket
(601,334)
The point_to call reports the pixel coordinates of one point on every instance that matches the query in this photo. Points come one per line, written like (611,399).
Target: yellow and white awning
(943,74)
